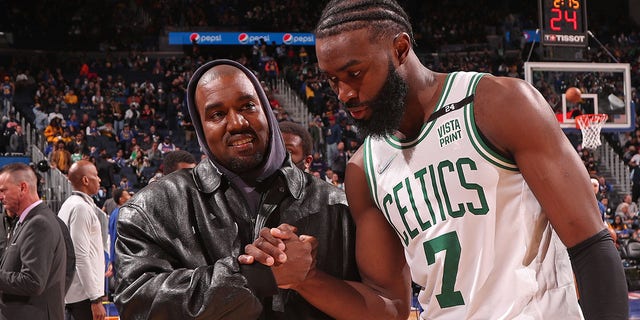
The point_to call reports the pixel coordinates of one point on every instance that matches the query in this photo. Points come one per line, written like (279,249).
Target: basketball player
(468,174)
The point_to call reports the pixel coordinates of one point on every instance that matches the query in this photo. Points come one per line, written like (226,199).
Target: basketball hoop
(590,125)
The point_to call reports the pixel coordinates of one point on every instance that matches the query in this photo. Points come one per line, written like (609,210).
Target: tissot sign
(565,39)
(241,38)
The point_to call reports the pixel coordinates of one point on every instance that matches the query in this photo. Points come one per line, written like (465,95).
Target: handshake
(292,258)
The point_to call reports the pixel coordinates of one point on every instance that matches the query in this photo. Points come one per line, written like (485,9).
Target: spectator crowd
(125,112)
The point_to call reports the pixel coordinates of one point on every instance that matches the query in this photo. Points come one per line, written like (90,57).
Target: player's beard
(387,107)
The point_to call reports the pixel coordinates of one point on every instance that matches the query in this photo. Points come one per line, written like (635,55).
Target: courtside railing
(612,162)
(290,101)
(56,187)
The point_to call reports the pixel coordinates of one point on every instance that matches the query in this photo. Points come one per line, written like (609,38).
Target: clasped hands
(292,258)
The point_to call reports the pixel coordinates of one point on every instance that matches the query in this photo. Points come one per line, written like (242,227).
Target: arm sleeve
(600,278)
(84,231)
(36,252)
(155,279)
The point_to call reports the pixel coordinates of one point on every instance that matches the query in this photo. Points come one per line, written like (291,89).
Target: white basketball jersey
(474,234)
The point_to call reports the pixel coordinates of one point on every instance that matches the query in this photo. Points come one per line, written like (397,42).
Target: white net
(590,125)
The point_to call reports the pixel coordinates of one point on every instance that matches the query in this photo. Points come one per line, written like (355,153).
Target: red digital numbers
(556,19)
(573,19)
(569,16)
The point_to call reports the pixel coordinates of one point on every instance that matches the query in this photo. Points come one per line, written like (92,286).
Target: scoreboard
(563,22)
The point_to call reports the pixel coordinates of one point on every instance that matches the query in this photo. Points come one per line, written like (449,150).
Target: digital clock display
(563,22)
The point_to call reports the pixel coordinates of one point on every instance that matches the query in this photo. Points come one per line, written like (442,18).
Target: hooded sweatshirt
(275,153)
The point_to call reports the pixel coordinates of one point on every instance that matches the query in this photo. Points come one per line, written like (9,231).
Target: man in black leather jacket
(179,239)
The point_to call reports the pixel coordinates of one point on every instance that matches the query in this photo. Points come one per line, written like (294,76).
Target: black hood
(276,151)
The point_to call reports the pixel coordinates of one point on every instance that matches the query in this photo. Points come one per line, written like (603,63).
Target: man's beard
(242,164)
(387,107)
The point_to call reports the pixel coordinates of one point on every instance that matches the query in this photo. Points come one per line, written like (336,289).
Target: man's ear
(307,162)
(402,46)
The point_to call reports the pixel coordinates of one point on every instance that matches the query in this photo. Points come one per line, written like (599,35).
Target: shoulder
(43,221)
(506,108)
(493,90)
(324,191)
(169,191)
(357,157)
(74,203)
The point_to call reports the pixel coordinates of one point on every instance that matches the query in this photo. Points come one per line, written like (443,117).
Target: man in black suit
(32,268)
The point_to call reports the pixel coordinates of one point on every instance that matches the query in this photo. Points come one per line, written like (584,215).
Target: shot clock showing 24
(564,22)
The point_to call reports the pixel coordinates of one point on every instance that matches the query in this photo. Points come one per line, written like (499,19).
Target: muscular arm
(163,276)
(516,119)
(385,289)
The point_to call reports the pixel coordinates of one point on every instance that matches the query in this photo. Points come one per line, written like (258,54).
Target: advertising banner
(241,38)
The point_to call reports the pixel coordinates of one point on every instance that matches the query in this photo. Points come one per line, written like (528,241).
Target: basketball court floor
(634,305)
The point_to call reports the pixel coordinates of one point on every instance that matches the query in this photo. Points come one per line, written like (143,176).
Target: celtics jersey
(474,235)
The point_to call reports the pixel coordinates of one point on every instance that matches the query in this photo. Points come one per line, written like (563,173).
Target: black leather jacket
(179,239)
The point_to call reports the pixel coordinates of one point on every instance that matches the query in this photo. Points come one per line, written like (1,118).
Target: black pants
(80,310)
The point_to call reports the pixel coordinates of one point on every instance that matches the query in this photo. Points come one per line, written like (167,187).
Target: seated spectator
(166,146)
(135,157)
(56,114)
(60,157)
(125,136)
(337,181)
(318,164)
(76,155)
(125,184)
(72,123)
(107,130)
(71,98)
(118,160)
(631,207)
(154,154)
(154,134)
(85,121)
(145,142)
(53,131)
(604,186)
(92,129)
(132,114)
(147,115)
(620,227)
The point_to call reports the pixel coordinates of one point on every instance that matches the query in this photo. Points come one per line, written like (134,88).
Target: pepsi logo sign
(243,38)
(194,37)
(287,38)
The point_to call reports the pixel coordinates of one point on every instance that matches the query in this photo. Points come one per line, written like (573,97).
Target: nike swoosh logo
(386,164)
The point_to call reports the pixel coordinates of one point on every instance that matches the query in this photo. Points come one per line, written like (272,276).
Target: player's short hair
(300,131)
(382,17)
(171,160)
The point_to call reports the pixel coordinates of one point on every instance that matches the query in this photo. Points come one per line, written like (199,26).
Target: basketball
(573,95)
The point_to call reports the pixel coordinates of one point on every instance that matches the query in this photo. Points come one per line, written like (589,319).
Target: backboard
(606,88)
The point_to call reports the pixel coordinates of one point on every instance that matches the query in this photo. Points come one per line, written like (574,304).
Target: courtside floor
(634,305)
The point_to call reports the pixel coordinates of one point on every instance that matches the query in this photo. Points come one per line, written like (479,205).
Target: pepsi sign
(241,38)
